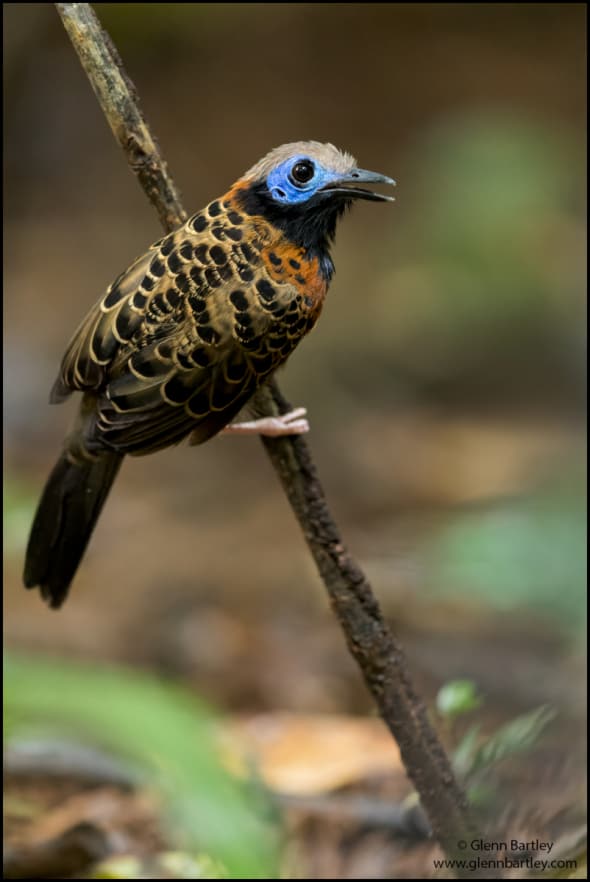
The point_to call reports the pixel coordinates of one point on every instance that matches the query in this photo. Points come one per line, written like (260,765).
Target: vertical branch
(119,102)
(376,650)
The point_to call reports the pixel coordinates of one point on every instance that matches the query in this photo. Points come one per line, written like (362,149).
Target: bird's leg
(292,423)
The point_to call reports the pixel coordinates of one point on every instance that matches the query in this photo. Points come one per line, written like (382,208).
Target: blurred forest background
(445,382)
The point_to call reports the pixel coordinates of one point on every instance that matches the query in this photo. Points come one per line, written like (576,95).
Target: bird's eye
(302,172)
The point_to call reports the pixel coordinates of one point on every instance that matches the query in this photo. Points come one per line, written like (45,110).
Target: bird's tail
(68,510)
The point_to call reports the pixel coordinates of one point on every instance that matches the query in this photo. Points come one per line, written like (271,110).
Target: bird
(181,341)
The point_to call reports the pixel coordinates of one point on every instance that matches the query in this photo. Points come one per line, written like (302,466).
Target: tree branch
(377,651)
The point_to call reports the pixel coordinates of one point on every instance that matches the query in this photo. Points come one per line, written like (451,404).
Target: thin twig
(120,104)
(376,650)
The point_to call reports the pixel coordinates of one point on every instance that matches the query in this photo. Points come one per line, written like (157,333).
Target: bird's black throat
(310,225)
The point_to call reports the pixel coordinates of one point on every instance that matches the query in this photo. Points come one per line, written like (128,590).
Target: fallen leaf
(305,754)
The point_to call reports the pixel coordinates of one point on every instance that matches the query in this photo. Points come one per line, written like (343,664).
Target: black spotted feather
(176,347)
(179,343)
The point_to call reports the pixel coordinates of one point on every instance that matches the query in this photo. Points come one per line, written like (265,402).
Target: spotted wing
(179,342)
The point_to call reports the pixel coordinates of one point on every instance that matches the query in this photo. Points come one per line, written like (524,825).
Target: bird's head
(303,188)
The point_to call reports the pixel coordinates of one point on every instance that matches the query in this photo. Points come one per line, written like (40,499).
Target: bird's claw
(292,423)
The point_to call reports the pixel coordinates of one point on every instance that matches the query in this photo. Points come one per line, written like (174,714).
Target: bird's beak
(346,185)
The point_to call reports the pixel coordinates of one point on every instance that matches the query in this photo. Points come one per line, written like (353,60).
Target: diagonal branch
(377,651)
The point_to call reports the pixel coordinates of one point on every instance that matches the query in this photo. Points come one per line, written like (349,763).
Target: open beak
(347,185)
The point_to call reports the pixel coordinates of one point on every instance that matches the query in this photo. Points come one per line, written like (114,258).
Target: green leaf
(515,737)
(457,697)
(465,752)
(164,729)
(525,553)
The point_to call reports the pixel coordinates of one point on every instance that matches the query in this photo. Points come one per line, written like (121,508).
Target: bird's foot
(292,423)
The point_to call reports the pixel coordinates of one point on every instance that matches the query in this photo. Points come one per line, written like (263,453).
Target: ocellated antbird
(184,337)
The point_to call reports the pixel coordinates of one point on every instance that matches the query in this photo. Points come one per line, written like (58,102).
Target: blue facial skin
(306,212)
(286,192)
(303,212)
